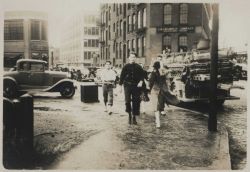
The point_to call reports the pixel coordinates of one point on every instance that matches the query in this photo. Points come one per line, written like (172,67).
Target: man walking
(132,76)
(108,77)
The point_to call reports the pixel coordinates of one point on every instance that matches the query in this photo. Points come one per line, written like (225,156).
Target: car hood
(57,73)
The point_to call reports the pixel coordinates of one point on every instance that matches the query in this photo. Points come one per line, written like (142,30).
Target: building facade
(150,28)
(80,40)
(25,36)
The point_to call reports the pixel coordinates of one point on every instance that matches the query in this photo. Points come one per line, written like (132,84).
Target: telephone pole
(212,120)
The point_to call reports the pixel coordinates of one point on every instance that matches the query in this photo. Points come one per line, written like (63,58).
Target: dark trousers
(132,94)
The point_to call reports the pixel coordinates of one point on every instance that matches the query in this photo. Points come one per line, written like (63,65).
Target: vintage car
(32,75)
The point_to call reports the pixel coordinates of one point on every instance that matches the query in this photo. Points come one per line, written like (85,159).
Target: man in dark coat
(132,76)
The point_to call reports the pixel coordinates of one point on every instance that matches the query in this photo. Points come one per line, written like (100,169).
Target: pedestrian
(144,90)
(108,77)
(157,85)
(160,59)
(132,76)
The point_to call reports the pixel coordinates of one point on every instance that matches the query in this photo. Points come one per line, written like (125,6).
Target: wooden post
(212,120)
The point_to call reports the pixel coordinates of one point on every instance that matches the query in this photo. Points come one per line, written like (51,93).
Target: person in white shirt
(108,77)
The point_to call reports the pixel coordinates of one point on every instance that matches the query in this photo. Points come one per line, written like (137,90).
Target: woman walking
(157,85)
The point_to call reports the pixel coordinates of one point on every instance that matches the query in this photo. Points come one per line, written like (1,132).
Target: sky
(233,16)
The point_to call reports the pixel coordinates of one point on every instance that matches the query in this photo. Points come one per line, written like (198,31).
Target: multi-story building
(25,36)
(150,28)
(80,40)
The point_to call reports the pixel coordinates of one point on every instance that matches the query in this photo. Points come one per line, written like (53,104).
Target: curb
(223,160)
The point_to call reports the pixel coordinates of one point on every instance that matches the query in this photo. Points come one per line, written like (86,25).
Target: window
(89,31)
(129,5)
(128,46)
(120,8)
(143,46)
(24,66)
(117,29)
(120,50)
(89,54)
(93,43)
(38,67)
(117,9)
(116,52)
(183,13)
(133,22)
(166,42)
(139,19)
(114,7)
(183,43)
(113,27)
(109,13)
(129,24)
(85,54)
(89,43)
(35,30)
(167,14)
(107,16)
(13,30)
(144,18)
(85,44)
(44,30)
(97,31)
(138,46)
(133,45)
(93,31)
(109,32)
(120,27)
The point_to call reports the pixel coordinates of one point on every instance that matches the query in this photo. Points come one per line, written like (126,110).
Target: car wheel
(67,91)
(9,89)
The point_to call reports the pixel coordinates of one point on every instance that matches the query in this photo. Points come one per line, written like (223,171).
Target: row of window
(122,50)
(167,12)
(91,31)
(138,45)
(91,43)
(13,30)
(89,54)
(166,41)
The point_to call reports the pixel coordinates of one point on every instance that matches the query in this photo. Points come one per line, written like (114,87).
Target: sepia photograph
(124,85)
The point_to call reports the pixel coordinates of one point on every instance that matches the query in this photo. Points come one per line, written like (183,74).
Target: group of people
(133,78)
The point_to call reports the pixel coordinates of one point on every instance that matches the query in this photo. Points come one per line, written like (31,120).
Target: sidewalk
(182,143)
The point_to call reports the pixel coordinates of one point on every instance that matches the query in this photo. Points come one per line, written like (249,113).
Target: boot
(134,120)
(129,118)
(157,119)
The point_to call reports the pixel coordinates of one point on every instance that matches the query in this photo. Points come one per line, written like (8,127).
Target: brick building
(150,28)
(25,36)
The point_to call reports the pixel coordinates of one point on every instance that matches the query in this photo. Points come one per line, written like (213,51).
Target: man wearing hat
(132,76)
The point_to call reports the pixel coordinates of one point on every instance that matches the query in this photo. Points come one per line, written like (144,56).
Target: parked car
(32,76)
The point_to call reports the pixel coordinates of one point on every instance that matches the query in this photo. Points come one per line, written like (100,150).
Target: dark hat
(156,65)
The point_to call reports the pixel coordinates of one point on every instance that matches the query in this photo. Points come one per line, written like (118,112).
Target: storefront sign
(182,29)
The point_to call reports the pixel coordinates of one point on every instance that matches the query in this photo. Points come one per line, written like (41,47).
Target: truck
(189,76)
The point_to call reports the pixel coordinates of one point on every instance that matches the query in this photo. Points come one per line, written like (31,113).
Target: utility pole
(212,120)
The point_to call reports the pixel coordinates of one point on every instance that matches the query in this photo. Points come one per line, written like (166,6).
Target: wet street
(62,124)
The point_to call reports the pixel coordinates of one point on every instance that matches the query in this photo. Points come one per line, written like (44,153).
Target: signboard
(179,29)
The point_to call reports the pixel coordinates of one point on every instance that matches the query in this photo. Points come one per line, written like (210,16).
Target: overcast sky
(234,16)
